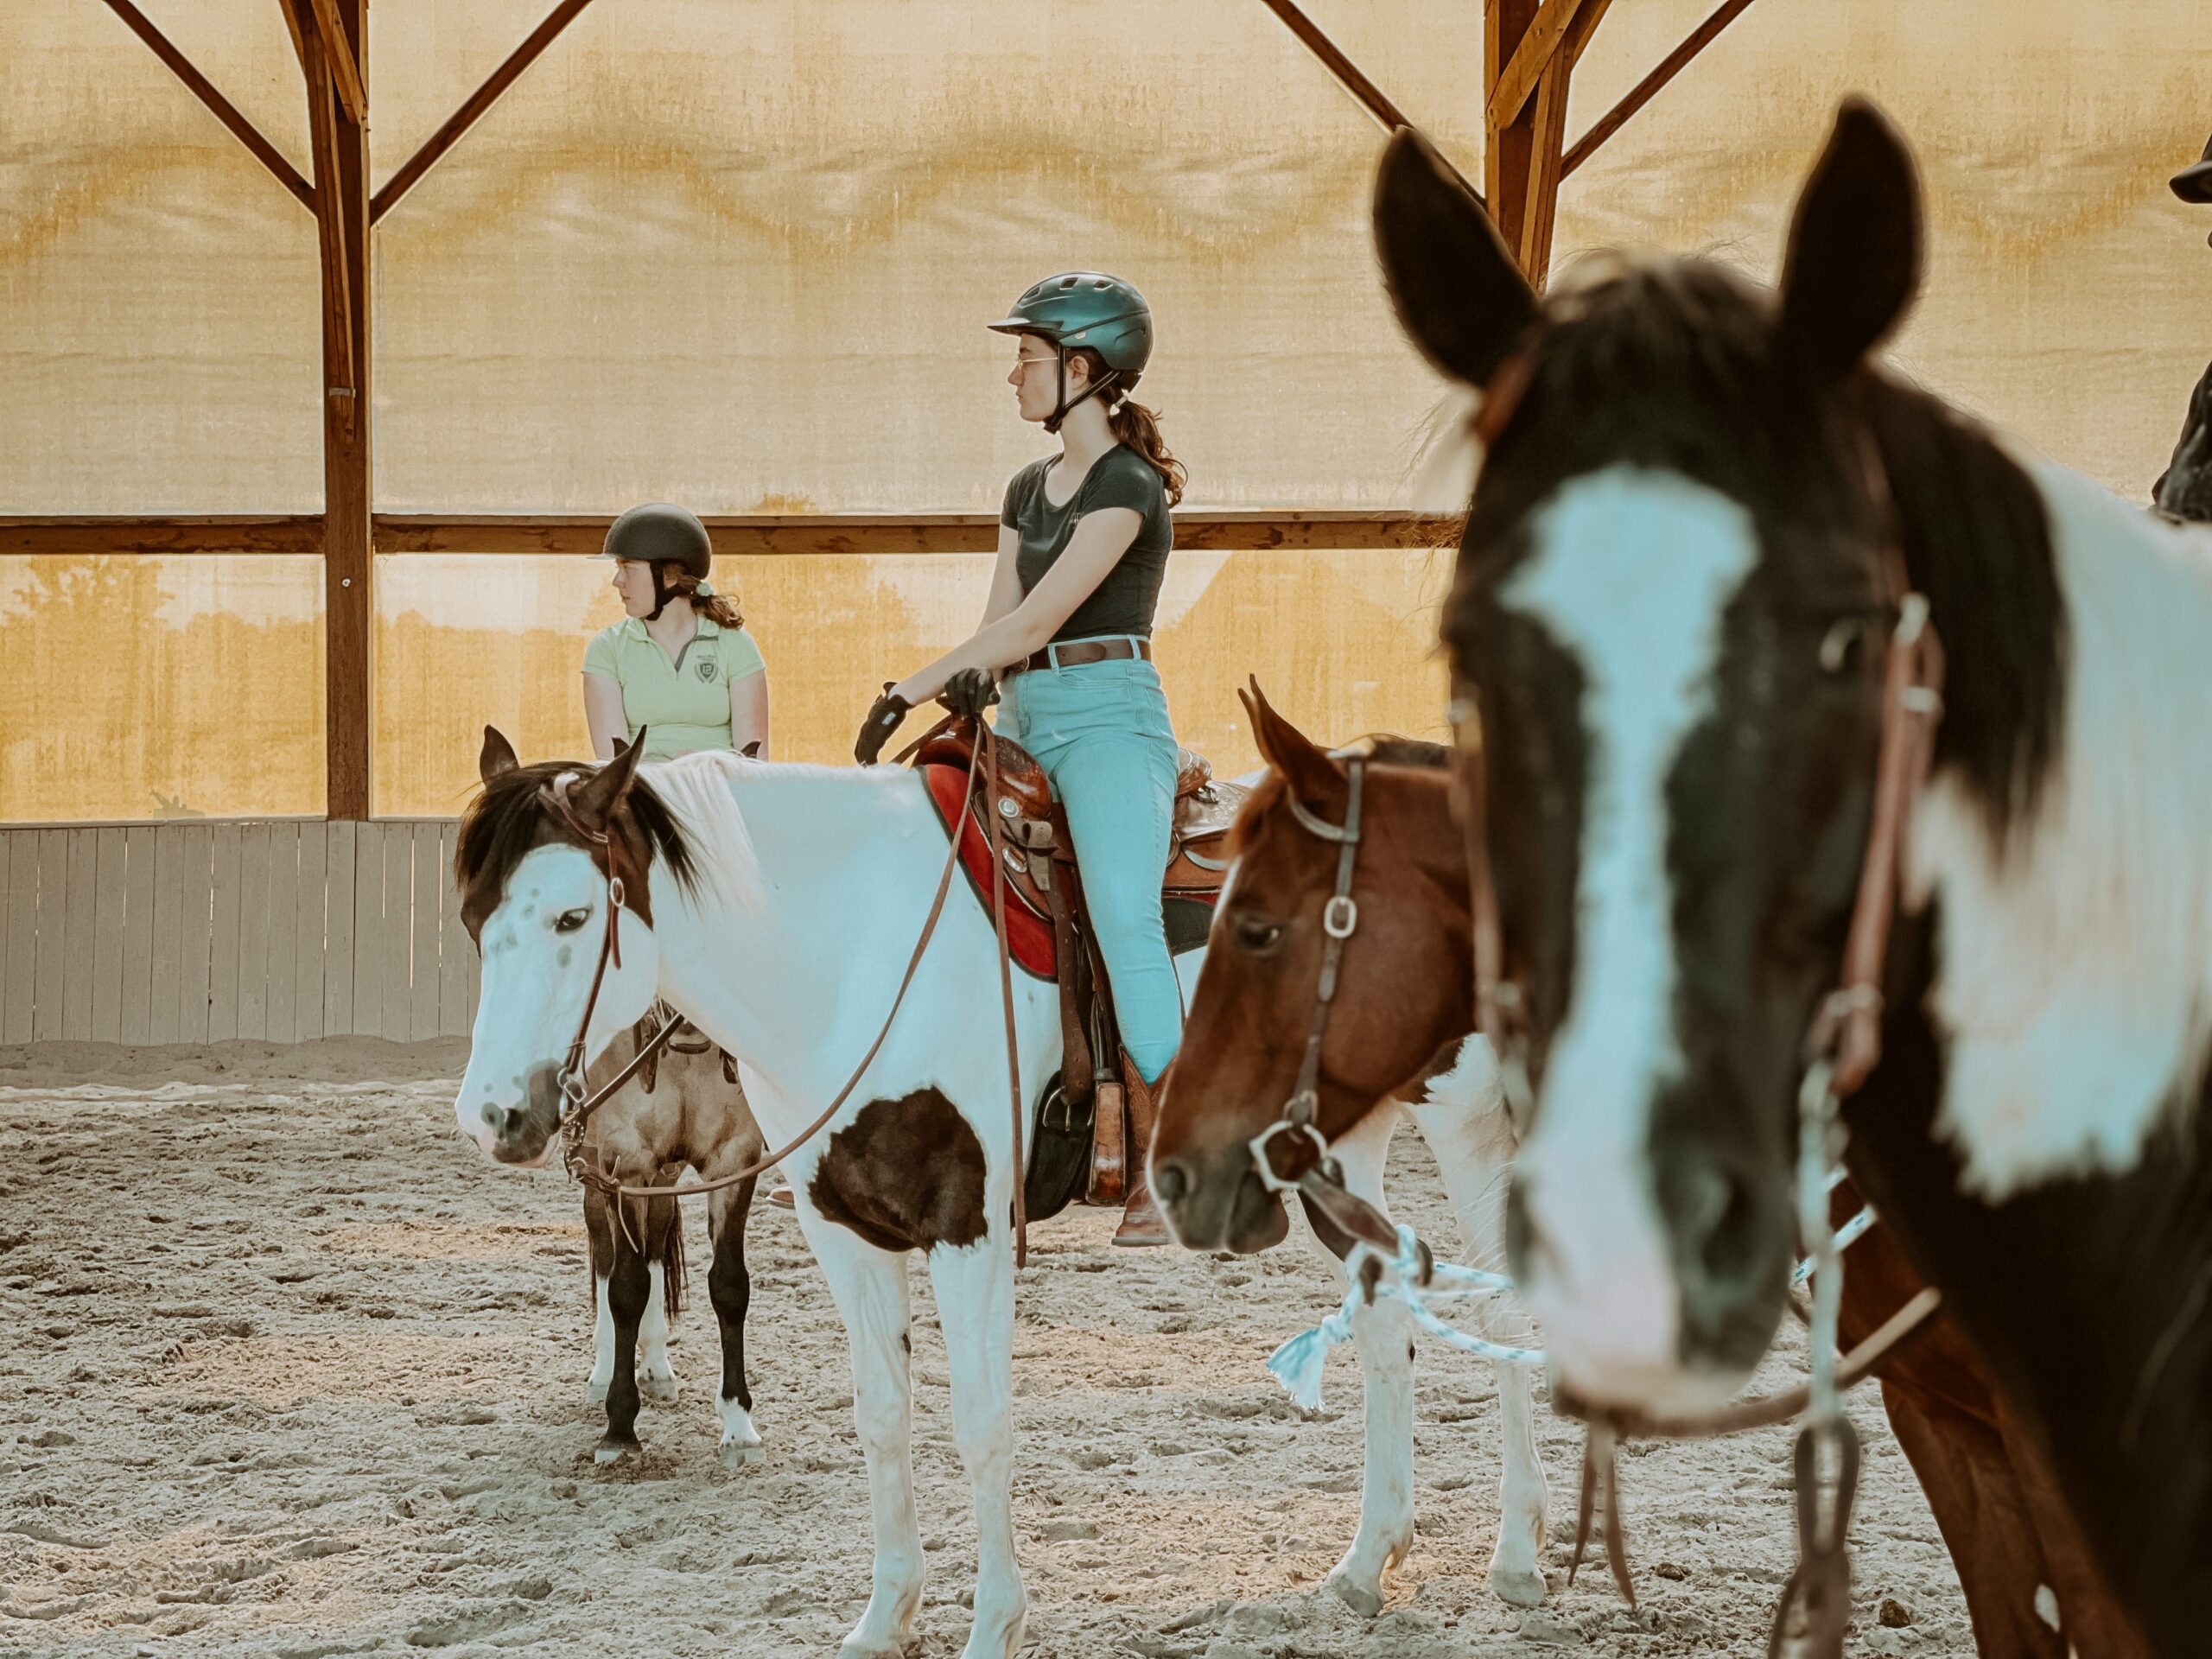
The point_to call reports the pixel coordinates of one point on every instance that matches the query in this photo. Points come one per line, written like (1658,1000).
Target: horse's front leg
(598,1229)
(974,1302)
(1462,1115)
(626,1292)
(663,1244)
(730,1287)
(1384,1336)
(870,1287)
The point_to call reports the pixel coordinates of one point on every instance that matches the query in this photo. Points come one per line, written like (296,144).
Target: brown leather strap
(987,741)
(1078,654)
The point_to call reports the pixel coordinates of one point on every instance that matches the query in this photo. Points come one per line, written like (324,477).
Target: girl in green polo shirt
(680,666)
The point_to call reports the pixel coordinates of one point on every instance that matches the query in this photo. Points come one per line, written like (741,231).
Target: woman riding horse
(1083,538)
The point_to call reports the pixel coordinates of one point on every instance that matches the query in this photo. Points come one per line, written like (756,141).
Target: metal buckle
(1261,1142)
(1341,916)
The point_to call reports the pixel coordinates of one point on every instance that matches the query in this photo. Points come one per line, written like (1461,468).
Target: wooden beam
(197,533)
(1517,81)
(1507,144)
(342,184)
(1645,89)
(1540,209)
(223,110)
(472,108)
(867,534)
(1369,96)
(345,74)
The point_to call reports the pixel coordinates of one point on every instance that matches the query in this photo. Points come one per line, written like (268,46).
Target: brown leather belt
(1077,653)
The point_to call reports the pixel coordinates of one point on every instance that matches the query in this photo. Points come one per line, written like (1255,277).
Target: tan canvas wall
(738,255)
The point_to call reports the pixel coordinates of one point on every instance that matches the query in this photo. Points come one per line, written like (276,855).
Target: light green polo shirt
(685,704)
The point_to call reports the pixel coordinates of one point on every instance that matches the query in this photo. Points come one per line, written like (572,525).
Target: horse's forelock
(513,815)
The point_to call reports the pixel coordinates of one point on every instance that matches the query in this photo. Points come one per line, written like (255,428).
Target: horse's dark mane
(512,816)
(1674,364)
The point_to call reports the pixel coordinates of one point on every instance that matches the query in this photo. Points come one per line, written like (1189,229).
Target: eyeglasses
(1021,363)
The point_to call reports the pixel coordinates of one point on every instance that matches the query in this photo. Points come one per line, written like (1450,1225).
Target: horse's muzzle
(521,1135)
(1216,1201)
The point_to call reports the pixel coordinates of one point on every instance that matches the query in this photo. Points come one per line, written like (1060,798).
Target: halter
(1305,1165)
(1843,1045)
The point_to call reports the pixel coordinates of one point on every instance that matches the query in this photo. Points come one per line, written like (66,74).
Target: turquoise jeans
(1100,731)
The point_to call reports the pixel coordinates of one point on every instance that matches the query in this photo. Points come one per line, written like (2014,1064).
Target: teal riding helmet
(1085,310)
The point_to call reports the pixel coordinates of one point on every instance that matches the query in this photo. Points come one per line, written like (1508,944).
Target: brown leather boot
(1141,1221)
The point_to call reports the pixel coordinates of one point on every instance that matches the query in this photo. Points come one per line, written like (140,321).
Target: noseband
(1290,1154)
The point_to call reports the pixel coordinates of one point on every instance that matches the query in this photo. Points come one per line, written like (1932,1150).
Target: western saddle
(1049,938)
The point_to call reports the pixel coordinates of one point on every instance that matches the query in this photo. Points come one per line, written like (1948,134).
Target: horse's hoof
(738,1454)
(854,1648)
(595,1392)
(1362,1600)
(1524,1588)
(659,1387)
(610,1450)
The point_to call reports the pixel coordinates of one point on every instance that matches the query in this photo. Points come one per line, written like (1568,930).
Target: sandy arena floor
(289,1370)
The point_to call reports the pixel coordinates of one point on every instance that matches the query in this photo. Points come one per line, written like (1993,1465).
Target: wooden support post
(342,188)
(1516,82)
(220,107)
(1507,145)
(345,72)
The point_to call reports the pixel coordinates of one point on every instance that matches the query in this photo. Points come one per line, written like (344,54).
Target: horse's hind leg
(730,1288)
(664,1247)
(1463,1116)
(974,1307)
(629,1289)
(1384,1336)
(870,1287)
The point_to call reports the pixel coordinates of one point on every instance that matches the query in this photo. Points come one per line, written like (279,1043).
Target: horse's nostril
(1170,1182)
(492,1117)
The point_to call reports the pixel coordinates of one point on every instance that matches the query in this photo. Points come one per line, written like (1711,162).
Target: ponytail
(1136,427)
(718,608)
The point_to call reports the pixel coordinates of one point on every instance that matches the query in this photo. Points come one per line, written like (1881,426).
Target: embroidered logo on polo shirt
(707,668)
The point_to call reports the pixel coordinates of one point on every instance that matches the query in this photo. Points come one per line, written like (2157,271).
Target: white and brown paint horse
(776,907)
(1674,596)
(686,1110)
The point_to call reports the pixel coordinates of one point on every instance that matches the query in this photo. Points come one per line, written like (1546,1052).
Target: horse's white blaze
(2076,983)
(535,981)
(1630,573)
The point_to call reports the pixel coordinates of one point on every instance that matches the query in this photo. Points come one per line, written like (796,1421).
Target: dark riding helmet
(1080,310)
(2195,183)
(659,535)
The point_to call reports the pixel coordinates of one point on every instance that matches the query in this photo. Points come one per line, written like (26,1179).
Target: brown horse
(1406,992)
(684,1110)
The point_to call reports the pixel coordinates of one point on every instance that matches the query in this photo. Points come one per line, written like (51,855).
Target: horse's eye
(1257,933)
(570,920)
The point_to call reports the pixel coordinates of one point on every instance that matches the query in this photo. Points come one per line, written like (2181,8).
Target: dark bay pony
(1677,586)
(1405,1000)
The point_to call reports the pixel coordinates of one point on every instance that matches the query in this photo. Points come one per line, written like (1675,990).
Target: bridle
(1290,1154)
(1842,1046)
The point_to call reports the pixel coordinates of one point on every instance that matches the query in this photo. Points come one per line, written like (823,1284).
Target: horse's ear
(1313,778)
(1853,262)
(497,757)
(752,751)
(595,798)
(1456,290)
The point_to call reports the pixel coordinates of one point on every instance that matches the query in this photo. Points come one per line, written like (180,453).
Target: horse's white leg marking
(657,1378)
(1383,1334)
(602,1342)
(975,1305)
(740,1441)
(1630,573)
(870,1289)
(1462,1115)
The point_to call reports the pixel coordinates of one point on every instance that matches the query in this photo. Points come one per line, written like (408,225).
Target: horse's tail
(672,1262)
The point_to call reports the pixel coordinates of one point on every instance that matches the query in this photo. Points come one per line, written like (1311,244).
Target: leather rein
(577,1108)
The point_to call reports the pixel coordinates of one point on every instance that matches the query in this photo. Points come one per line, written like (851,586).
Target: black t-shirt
(1124,599)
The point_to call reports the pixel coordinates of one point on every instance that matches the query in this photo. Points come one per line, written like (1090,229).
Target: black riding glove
(970,691)
(883,717)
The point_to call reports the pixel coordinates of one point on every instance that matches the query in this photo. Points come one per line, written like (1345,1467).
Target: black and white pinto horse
(1672,611)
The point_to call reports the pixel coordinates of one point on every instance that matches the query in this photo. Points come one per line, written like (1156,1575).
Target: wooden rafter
(345,74)
(192,533)
(1350,76)
(323,119)
(473,109)
(1546,33)
(220,107)
(1645,89)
